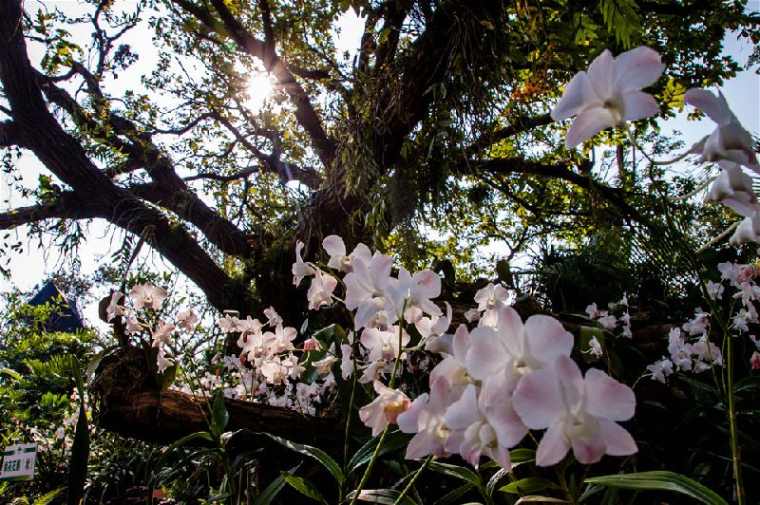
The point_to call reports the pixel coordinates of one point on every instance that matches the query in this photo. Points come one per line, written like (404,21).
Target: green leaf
(219,415)
(384,496)
(494,480)
(11,373)
(660,481)
(458,472)
(452,496)
(304,487)
(318,454)
(48,497)
(198,435)
(520,456)
(270,492)
(393,441)
(529,485)
(80,453)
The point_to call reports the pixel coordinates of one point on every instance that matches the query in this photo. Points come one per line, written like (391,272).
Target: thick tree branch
(68,206)
(9,134)
(505,166)
(271,162)
(305,113)
(65,157)
(142,152)
(519,125)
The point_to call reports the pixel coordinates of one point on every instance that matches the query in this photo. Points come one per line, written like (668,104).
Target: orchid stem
(718,237)
(644,153)
(735,450)
(413,480)
(391,383)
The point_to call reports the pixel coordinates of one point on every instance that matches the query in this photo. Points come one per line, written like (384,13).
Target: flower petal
(538,400)
(463,412)
(618,441)
(577,96)
(407,420)
(608,398)
(334,245)
(710,104)
(589,448)
(547,339)
(487,355)
(638,68)
(639,105)
(553,446)
(511,330)
(588,123)
(601,74)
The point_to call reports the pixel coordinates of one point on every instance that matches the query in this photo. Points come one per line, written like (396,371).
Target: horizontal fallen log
(166,416)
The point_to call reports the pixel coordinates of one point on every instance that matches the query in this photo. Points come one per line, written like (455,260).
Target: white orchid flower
(579,412)
(524,347)
(483,423)
(321,289)
(425,418)
(339,260)
(147,296)
(383,344)
(609,93)
(300,269)
(729,141)
(384,409)
(187,319)
(114,309)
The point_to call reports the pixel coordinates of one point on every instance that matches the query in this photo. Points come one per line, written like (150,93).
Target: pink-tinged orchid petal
(407,421)
(570,381)
(419,446)
(500,454)
(547,338)
(450,370)
(538,400)
(639,105)
(487,354)
(578,93)
(428,283)
(361,252)
(715,108)
(601,74)
(608,398)
(553,446)
(461,343)
(587,124)
(741,206)
(588,448)
(497,406)
(463,412)
(334,246)
(511,330)
(617,440)
(638,68)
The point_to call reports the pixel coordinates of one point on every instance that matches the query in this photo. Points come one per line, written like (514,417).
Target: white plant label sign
(18,462)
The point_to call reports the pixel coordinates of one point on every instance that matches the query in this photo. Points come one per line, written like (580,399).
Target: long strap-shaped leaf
(660,481)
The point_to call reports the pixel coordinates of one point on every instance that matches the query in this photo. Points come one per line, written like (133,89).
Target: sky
(29,268)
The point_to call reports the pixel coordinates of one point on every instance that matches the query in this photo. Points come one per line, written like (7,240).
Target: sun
(260,88)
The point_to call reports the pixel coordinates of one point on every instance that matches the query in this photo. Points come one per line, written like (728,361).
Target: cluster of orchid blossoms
(495,382)
(268,369)
(609,94)
(141,319)
(700,354)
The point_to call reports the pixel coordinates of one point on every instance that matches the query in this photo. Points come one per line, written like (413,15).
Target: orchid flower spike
(729,141)
(609,93)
